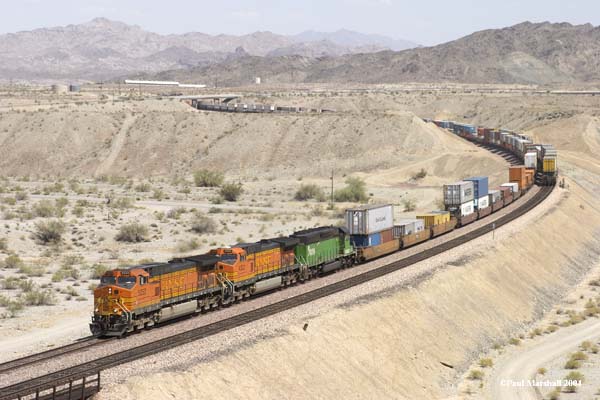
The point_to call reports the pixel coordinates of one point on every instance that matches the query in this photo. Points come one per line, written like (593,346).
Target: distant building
(257,80)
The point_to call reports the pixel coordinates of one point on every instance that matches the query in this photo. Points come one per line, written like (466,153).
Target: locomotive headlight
(96,310)
(115,310)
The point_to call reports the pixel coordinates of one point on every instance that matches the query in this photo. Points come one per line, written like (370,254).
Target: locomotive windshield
(108,280)
(228,259)
(127,281)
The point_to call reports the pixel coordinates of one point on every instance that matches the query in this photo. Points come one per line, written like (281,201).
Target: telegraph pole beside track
(332,189)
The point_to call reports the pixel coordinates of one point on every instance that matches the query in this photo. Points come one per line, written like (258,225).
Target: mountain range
(104,49)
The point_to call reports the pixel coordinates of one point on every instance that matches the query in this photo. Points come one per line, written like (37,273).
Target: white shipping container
(514,186)
(494,195)
(458,193)
(369,219)
(408,227)
(483,202)
(467,208)
(530,160)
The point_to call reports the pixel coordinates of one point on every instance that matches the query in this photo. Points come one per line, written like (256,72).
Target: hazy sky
(424,21)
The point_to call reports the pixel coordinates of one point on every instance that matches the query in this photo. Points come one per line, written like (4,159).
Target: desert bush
(66,271)
(514,341)
(475,374)
(573,376)
(309,191)
(231,191)
(203,224)
(572,364)
(217,199)
(542,371)
(419,175)
(554,395)
(39,297)
(98,270)
(44,209)
(3,244)
(11,201)
(12,261)
(486,363)
(32,270)
(49,232)
(61,202)
(121,203)
(20,196)
(175,213)
(158,194)
(10,283)
(143,187)
(579,355)
(78,211)
(208,178)
(188,245)
(355,191)
(409,205)
(132,232)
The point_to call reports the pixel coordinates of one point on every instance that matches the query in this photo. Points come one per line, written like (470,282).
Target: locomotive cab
(119,292)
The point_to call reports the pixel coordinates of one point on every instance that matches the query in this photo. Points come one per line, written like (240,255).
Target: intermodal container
(505,191)
(374,239)
(408,227)
(467,208)
(480,186)
(513,186)
(494,195)
(387,235)
(516,172)
(434,218)
(530,160)
(369,219)
(458,193)
(483,202)
(414,238)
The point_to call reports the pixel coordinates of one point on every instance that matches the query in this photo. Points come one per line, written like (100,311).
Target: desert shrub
(32,270)
(309,191)
(554,395)
(419,175)
(486,363)
(44,209)
(542,371)
(188,245)
(175,213)
(579,355)
(39,297)
(132,232)
(20,196)
(573,376)
(514,341)
(3,244)
(203,224)
(475,374)
(66,271)
(217,199)
(61,202)
(49,232)
(12,261)
(143,187)
(409,205)
(355,191)
(121,203)
(98,270)
(572,364)
(158,194)
(11,201)
(208,178)
(10,283)
(231,191)
(78,211)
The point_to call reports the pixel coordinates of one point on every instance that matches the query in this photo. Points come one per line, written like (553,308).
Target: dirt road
(523,363)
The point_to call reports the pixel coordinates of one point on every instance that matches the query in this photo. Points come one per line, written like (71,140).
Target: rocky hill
(541,53)
(104,49)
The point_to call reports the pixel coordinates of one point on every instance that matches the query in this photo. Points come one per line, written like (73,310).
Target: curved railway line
(81,381)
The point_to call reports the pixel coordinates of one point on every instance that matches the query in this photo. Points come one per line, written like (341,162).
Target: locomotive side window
(143,280)
(108,280)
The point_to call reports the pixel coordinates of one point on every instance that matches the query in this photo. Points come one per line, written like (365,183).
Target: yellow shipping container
(549,164)
(435,218)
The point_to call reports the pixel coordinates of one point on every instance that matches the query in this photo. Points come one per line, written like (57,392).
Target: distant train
(142,296)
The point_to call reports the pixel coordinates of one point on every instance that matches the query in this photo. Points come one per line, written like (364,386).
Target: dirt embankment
(165,138)
(391,344)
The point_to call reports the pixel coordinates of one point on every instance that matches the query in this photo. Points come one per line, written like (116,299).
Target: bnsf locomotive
(142,296)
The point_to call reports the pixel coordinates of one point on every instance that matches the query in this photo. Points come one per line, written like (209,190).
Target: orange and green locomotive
(141,296)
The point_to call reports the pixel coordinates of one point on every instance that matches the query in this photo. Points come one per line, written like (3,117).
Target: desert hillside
(168,138)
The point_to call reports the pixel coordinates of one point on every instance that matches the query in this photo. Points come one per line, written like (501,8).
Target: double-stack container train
(141,296)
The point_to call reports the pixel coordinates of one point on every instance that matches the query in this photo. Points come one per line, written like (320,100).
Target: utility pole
(332,189)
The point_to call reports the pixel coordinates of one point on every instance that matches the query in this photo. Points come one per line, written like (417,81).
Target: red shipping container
(387,235)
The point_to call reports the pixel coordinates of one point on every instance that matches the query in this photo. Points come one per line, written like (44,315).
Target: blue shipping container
(374,239)
(480,183)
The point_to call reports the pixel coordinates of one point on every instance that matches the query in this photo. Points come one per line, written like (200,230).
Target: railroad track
(22,362)
(48,383)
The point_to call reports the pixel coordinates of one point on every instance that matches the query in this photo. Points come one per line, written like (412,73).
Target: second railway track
(77,372)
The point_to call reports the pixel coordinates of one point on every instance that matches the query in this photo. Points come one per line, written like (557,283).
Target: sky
(426,22)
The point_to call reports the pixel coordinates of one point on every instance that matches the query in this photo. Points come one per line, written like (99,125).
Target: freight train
(141,296)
